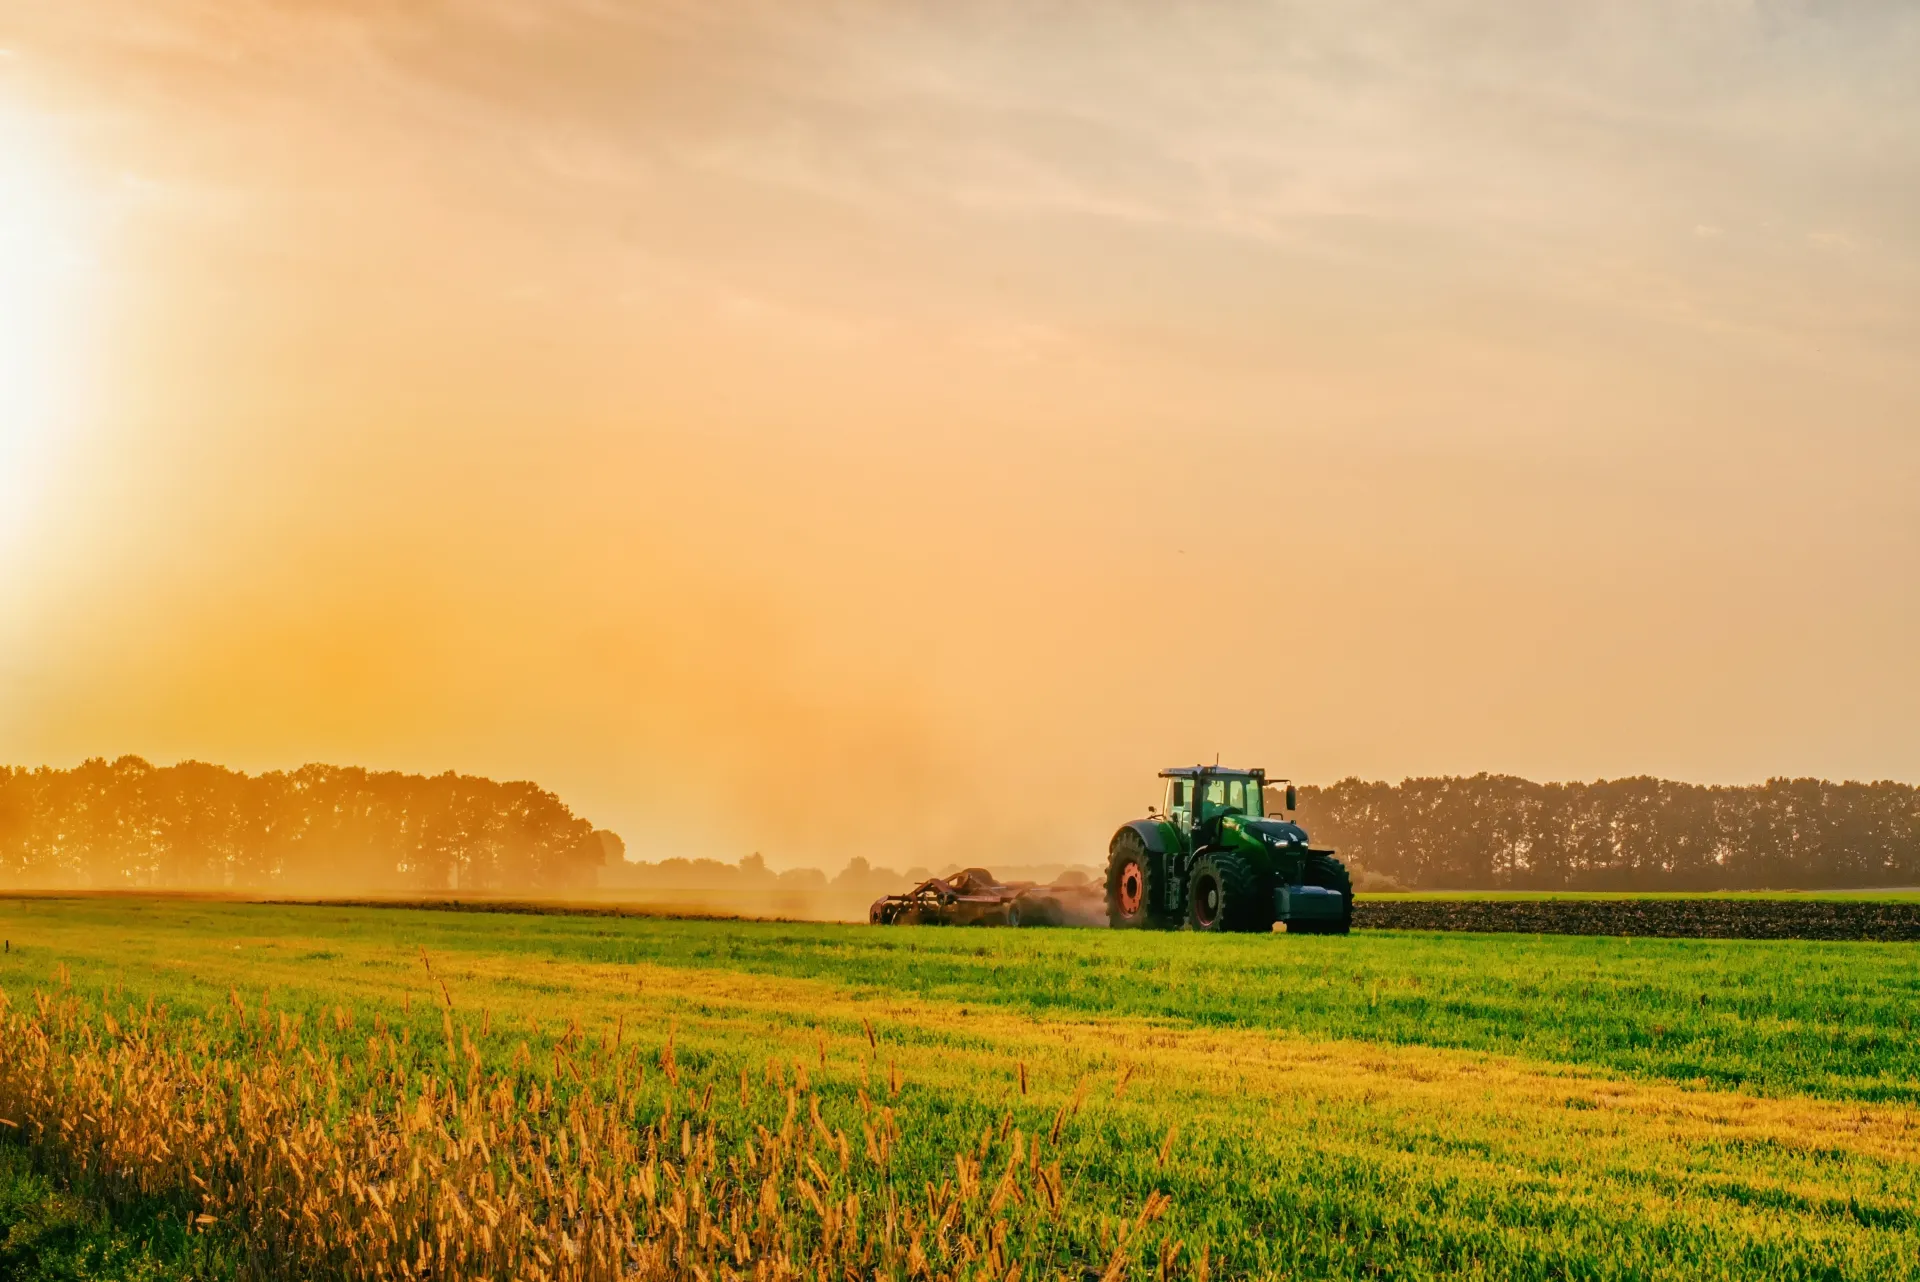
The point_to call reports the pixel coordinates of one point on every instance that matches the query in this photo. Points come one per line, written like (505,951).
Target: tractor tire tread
(1128,847)
(1330,873)
(1240,897)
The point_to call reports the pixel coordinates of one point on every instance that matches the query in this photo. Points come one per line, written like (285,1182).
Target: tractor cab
(1206,794)
(1214,859)
(1211,800)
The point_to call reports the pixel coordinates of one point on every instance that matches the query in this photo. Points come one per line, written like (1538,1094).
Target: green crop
(1377,1105)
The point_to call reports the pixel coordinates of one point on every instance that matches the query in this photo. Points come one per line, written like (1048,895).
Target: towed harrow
(975,897)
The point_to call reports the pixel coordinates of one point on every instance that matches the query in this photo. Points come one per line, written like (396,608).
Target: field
(1882,917)
(1388,1104)
(1901,895)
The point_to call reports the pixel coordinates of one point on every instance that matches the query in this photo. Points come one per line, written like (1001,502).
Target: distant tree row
(1499,832)
(859,877)
(337,829)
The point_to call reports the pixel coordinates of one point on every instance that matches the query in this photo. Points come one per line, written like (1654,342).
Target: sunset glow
(42,270)
(782,427)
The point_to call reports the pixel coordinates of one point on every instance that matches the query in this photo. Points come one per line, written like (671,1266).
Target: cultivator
(975,897)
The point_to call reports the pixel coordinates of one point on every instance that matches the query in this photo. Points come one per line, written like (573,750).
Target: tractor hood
(1275,832)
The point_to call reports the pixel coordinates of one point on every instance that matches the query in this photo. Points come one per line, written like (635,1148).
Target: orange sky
(900,428)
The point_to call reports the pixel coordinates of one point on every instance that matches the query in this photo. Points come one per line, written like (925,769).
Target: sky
(900,429)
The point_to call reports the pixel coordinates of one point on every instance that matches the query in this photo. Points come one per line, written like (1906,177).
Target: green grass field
(1385,1104)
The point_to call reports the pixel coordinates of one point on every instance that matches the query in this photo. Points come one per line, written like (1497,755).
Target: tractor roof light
(1221,772)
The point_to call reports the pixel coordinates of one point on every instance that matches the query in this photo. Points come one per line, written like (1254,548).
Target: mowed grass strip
(1286,1153)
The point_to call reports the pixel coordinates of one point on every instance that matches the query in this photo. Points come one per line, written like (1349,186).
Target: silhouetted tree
(197,826)
(1499,832)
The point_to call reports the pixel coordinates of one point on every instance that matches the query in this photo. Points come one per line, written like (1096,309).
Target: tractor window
(1180,801)
(1231,797)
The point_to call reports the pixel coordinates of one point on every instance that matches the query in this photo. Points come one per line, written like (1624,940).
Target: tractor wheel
(1325,870)
(1224,894)
(1136,884)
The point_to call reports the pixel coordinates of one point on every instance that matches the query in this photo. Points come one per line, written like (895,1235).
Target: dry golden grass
(303,1163)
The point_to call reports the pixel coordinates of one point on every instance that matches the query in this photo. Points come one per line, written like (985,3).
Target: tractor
(1214,860)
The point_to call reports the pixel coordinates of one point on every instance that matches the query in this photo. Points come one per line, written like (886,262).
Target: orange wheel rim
(1206,901)
(1132,889)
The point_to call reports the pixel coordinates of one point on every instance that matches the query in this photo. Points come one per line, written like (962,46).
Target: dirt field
(1672,918)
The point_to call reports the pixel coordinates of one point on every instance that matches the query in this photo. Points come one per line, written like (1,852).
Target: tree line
(1497,832)
(194,826)
(337,829)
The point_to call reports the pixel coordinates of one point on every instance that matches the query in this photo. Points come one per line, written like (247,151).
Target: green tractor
(1214,860)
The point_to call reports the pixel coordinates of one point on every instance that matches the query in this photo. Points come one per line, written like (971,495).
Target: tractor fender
(1150,833)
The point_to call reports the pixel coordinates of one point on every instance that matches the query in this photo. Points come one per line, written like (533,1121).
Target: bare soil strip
(1663,918)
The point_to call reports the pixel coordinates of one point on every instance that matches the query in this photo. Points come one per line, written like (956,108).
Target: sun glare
(43,273)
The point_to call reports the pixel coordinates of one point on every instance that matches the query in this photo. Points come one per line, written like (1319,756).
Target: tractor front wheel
(1136,884)
(1224,894)
(1324,870)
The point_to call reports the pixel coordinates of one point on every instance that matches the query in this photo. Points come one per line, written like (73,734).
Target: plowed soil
(1664,918)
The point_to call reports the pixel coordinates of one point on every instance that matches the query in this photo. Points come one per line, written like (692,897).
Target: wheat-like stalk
(298,1160)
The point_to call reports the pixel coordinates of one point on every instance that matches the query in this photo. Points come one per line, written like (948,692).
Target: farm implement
(975,897)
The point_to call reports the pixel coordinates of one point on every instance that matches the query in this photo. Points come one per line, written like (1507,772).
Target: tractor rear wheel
(1325,870)
(1136,884)
(1224,894)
